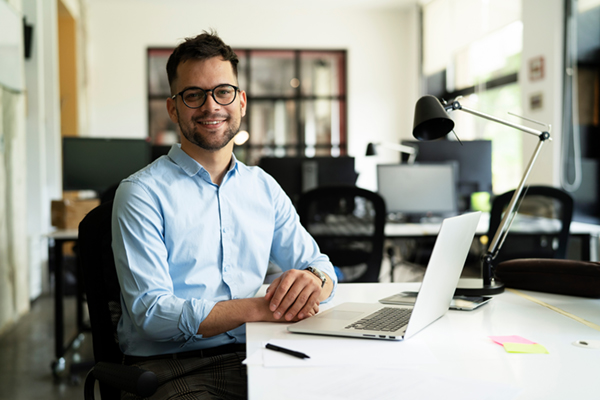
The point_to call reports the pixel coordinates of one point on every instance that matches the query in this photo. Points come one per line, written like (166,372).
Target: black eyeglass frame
(212,93)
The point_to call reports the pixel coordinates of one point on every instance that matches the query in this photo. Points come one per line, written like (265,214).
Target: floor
(27,352)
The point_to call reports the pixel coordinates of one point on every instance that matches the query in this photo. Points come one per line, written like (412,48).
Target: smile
(209,122)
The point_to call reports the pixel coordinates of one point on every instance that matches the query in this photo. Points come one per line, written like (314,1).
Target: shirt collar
(191,166)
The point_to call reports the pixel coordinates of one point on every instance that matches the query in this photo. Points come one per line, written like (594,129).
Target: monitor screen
(420,189)
(98,163)
(296,175)
(159,150)
(474,159)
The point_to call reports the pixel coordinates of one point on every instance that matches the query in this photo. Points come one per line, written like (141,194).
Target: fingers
(297,292)
(272,287)
(310,308)
(304,303)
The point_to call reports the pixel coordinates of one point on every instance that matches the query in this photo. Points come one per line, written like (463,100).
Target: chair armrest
(131,379)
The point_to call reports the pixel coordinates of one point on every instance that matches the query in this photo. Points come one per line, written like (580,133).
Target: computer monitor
(159,150)
(297,175)
(99,163)
(418,190)
(474,159)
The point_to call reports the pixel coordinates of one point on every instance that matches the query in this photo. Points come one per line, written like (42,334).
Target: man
(193,234)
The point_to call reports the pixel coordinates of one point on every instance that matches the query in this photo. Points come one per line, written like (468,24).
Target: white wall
(543,22)
(382,47)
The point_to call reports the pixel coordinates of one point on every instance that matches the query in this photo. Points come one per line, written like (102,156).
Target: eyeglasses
(195,97)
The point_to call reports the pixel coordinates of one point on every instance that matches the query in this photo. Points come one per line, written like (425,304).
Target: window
(296,102)
(481,66)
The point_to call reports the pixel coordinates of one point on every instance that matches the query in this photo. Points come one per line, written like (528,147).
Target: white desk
(454,348)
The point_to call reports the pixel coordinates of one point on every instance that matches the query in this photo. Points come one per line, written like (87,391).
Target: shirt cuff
(327,268)
(193,313)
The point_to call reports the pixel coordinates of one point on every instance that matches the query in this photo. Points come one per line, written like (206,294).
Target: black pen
(286,351)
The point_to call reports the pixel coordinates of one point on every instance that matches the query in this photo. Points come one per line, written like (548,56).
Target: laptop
(433,300)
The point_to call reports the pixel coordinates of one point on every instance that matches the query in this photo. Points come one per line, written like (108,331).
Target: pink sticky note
(510,339)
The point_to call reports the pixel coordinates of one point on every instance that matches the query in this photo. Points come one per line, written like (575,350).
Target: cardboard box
(67,214)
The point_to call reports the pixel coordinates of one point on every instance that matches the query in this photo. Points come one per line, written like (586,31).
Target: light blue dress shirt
(182,244)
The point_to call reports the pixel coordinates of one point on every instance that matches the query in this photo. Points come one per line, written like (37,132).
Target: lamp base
(475,287)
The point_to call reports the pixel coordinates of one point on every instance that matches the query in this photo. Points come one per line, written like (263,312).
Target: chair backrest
(101,286)
(348,224)
(540,204)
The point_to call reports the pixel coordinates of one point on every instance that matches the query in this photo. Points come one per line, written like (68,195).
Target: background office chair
(348,224)
(104,304)
(546,212)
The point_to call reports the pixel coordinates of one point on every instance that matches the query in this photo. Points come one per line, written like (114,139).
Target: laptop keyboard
(387,319)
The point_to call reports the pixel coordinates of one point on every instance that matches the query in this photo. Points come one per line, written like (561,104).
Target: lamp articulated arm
(455,105)
(509,215)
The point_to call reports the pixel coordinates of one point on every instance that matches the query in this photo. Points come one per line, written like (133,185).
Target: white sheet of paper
(255,358)
(375,353)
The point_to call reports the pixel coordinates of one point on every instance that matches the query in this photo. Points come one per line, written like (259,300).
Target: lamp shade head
(371,150)
(431,119)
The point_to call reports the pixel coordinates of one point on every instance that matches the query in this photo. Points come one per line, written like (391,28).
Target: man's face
(212,126)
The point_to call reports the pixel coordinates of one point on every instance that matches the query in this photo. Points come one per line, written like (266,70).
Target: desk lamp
(402,148)
(433,122)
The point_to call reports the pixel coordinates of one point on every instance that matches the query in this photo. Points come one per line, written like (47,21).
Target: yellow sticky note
(525,348)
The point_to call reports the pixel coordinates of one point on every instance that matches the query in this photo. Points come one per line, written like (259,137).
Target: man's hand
(296,295)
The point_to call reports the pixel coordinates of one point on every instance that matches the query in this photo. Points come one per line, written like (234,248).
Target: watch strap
(318,274)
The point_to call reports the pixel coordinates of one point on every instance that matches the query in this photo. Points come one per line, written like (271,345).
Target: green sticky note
(525,348)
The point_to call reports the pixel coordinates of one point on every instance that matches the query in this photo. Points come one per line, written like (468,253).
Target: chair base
(475,287)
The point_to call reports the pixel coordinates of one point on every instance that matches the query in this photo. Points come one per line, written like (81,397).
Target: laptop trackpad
(341,315)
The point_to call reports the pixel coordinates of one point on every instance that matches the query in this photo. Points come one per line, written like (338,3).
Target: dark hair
(202,47)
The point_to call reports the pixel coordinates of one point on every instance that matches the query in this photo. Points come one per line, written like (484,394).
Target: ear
(243,102)
(172,110)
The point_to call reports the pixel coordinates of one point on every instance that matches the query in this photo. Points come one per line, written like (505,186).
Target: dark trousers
(220,377)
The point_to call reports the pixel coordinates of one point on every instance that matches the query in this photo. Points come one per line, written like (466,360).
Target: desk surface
(442,356)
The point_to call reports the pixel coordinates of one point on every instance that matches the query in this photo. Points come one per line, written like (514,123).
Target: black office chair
(549,240)
(104,304)
(348,224)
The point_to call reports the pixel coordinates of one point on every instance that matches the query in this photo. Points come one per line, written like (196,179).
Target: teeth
(210,122)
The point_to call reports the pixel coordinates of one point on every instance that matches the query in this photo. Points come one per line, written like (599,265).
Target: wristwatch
(319,275)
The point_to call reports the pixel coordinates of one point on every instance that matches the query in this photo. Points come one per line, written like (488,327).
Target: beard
(191,133)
